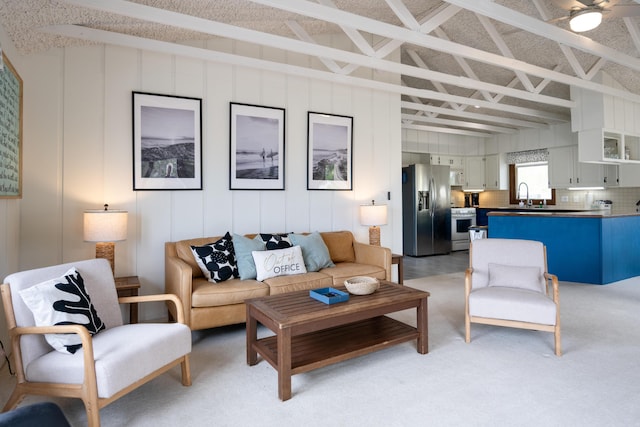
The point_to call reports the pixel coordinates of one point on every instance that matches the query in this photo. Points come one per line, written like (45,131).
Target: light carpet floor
(504,377)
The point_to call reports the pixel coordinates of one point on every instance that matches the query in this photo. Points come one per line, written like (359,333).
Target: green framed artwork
(10,131)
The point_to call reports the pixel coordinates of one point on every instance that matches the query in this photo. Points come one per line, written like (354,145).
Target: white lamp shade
(373,214)
(105,225)
(585,20)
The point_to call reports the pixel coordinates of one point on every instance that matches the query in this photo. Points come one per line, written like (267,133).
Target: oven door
(460,228)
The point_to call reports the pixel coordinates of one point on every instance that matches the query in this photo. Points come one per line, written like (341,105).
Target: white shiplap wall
(78,154)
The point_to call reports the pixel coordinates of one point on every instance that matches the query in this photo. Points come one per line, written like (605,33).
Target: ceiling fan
(585,15)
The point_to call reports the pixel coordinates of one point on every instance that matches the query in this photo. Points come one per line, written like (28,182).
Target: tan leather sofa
(207,305)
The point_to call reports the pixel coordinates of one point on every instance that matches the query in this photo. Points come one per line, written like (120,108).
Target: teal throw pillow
(243,247)
(314,251)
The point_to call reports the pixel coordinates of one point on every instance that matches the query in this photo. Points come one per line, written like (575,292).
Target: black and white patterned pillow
(63,301)
(276,241)
(217,260)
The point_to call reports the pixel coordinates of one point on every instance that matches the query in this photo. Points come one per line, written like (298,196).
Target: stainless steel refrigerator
(426,210)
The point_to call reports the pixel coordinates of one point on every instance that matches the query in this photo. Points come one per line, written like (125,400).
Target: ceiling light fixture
(585,19)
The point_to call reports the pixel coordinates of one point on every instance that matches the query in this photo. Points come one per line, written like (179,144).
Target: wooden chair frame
(551,279)
(88,390)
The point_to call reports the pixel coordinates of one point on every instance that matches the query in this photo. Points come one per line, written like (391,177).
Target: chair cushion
(217,260)
(522,277)
(123,356)
(63,301)
(279,262)
(512,304)
(314,250)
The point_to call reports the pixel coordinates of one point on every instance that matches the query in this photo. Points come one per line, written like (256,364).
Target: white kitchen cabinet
(474,173)
(629,175)
(565,171)
(608,146)
(496,172)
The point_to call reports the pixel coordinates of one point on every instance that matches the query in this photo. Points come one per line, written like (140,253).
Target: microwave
(456,178)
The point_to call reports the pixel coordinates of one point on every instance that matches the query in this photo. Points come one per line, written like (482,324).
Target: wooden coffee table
(310,334)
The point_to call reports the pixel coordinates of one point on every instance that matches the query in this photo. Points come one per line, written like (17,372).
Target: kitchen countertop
(567,214)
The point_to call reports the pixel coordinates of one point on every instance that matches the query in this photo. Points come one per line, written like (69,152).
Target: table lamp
(374,216)
(105,227)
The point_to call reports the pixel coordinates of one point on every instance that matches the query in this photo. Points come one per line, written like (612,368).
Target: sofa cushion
(279,262)
(298,282)
(243,247)
(344,270)
(232,291)
(183,250)
(340,245)
(217,260)
(314,250)
(63,301)
(275,241)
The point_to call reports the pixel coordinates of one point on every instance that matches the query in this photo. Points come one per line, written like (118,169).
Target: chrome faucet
(527,187)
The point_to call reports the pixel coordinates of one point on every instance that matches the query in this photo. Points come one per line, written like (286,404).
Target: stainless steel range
(461,220)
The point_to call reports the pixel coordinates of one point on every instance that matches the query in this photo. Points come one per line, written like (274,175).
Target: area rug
(503,377)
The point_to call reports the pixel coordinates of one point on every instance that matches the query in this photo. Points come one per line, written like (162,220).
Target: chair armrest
(178,280)
(554,285)
(159,297)
(373,255)
(467,281)
(85,339)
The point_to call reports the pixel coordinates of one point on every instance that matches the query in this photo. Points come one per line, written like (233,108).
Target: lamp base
(107,251)
(374,235)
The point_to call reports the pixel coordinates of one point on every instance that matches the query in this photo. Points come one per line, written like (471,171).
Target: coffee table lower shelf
(317,349)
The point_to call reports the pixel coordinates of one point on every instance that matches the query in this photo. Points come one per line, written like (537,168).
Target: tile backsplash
(623,199)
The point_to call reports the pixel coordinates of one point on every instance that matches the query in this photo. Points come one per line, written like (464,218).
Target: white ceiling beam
(447,130)
(439,17)
(632,27)
(118,39)
(352,33)
(464,65)
(504,49)
(303,35)
(166,17)
(418,106)
(392,31)
(457,123)
(508,16)
(405,16)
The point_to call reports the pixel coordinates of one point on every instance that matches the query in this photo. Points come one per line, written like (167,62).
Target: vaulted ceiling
(470,67)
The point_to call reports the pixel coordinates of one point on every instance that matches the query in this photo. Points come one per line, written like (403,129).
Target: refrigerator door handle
(432,187)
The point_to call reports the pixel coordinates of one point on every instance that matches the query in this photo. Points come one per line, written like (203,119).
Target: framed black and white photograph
(329,152)
(256,147)
(167,142)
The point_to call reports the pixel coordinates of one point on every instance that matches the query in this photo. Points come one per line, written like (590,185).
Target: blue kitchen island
(590,247)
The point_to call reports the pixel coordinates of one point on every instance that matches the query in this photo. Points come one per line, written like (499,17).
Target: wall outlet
(564,199)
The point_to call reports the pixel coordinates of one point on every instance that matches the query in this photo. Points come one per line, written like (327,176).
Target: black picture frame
(329,151)
(167,142)
(256,147)
(11,90)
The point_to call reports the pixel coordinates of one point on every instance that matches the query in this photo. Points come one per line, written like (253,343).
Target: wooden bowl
(362,285)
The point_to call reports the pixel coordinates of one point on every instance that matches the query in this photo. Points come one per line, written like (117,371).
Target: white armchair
(507,284)
(110,363)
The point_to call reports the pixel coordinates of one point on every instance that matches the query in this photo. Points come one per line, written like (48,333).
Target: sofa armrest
(170,298)
(373,255)
(178,280)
